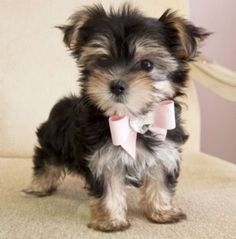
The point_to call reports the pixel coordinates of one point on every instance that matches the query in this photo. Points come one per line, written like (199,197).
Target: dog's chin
(119,99)
(121,105)
(119,109)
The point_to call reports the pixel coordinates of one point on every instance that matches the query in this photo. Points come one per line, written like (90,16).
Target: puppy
(128,64)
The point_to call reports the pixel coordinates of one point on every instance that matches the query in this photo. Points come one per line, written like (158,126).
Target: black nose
(118,87)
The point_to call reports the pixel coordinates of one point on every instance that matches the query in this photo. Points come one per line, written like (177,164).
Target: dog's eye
(146,65)
(104,61)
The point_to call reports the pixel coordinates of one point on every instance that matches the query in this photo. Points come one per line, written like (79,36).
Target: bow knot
(124,130)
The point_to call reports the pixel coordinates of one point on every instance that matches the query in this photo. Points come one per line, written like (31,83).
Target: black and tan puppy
(127,62)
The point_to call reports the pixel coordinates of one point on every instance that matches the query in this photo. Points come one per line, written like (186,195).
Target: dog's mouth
(118,105)
(119,99)
(125,102)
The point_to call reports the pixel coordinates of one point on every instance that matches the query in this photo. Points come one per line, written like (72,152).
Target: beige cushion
(206,192)
(36,70)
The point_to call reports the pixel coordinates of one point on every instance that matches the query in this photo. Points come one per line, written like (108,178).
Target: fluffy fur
(127,62)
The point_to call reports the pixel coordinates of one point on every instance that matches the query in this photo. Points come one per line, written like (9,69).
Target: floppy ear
(72,31)
(183,37)
(77,32)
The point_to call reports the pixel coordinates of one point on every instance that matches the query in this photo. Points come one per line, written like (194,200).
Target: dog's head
(129,61)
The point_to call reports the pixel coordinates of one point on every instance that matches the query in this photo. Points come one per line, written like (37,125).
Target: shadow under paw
(34,193)
(173,215)
(109,225)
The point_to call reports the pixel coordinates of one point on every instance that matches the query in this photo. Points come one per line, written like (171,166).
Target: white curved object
(217,78)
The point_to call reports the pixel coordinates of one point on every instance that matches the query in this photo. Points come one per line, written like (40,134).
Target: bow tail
(122,134)
(164,119)
(129,145)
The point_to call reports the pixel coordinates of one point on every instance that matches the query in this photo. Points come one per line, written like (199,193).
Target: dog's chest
(149,153)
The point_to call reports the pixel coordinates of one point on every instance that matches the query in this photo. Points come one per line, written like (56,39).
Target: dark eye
(146,65)
(104,61)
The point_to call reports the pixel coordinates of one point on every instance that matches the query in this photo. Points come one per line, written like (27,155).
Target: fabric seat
(37,71)
(206,192)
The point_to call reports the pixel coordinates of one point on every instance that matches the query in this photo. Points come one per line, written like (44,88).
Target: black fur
(67,139)
(77,127)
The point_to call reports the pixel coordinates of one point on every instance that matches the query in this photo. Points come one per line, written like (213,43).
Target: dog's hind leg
(46,175)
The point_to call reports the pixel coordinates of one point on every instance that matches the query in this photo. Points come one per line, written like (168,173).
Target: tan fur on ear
(71,31)
(77,21)
(189,35)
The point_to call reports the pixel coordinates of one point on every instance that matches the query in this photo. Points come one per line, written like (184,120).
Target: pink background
(218,136)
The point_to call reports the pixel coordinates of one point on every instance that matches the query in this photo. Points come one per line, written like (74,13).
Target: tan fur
(95,49)
(150,49)
(152,86)
(145,47)
(139,85)
(45,183)
(78,20)
(91,51)
(179,23)
(98,89)
(109,212)
(163,62)
(140,91)
(157,199)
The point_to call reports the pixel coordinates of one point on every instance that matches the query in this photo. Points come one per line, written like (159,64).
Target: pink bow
(122,134)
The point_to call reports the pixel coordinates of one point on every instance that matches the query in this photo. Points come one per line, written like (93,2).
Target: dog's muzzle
(118,87)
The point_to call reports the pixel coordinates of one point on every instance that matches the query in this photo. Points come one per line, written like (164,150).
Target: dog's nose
(118,87)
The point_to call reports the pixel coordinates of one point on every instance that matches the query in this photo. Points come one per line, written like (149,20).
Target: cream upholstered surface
(36,70)
(206,192)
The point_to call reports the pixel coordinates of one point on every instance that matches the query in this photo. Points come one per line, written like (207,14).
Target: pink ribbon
(123,135)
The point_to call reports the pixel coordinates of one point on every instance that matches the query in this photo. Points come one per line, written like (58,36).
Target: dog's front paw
(109,225)
(172,215)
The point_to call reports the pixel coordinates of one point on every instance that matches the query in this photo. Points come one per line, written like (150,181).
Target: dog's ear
(77,32)
(183,37)
(73,31)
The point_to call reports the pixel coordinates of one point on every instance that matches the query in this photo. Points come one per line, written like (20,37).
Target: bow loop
(124,135)
(164,115)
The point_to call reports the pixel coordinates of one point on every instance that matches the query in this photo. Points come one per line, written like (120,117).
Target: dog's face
(129,61)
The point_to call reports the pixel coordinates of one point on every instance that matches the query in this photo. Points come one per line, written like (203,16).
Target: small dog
(128,63)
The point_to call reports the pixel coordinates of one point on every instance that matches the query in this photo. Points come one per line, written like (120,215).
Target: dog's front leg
(109,210)
(157,197)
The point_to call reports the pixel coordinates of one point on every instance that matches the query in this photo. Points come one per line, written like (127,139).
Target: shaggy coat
(127,62)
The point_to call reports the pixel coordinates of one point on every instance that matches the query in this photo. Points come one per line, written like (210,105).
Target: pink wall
(218,116)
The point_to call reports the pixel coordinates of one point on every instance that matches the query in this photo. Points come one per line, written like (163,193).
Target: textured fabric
(36,70)
(206,192)
(216,78)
